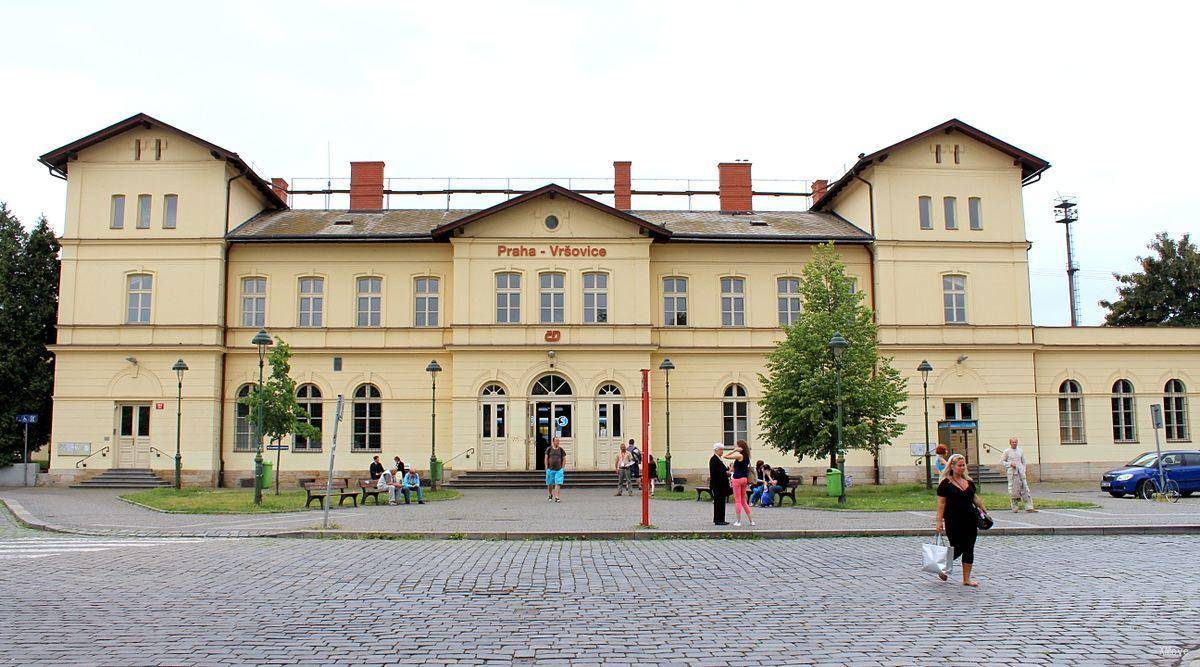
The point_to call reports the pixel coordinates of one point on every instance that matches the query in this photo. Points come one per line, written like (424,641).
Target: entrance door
(133,435)
(553,416)
(960,437)
(493,428)
(610,424)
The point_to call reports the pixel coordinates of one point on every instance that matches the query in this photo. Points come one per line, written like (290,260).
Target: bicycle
(1149,490)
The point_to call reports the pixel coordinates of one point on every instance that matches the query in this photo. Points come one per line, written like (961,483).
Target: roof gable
(551,190)
(59,159)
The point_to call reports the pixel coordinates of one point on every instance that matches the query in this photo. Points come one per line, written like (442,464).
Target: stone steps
(530,479)
(123,478)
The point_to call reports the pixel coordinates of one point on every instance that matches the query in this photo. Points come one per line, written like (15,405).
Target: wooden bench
(369,490)
(341,488)
(788,492)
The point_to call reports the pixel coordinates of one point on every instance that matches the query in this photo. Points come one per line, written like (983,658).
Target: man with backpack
(636,455)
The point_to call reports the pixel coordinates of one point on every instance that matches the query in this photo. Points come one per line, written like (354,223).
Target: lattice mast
(1066,213)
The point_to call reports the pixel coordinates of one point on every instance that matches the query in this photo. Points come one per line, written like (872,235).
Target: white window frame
(735,415)
(311,303)
(1175,411)
(369,426)
(675,302)
(733,301)
(950,212)
(1070,413)
(139,298)
(116,212)
(427,301)
(368,301)
(254,302)
(145,205)
(975,213)
(552,298)
(1124,412)
(925,211)
(307,401)
(595,297)
(243,425)
(170,217)
(789,303)
(954,298)
(508,297)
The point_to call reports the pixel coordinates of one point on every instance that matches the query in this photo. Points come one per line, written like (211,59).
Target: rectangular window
(595,298)
(140,289)
(143,219)
(254,302)
(675,302)
(170,210)
(508,298)
(925,210)
(312,302)
(975,210)
(552,298)
(1124,426)
(950,206)
(369,300)
(426,302)
(117,219)
(788,294)
(954,299)
(1070,419)
(733,302)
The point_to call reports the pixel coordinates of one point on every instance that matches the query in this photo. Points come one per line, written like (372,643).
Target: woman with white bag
(957,515)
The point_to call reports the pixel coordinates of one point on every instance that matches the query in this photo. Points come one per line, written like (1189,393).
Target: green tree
(281,414)
(1165,293)
(29,269)
(799,403)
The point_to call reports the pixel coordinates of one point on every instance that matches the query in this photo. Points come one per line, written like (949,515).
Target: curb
(28,520)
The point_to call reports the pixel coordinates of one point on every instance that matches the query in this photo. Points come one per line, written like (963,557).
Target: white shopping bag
(935,558)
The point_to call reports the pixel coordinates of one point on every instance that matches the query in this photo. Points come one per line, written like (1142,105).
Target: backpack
(637,457)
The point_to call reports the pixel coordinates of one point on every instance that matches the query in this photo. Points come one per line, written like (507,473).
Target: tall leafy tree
(282,415)
(799,403)
(29,270)
(1165,293)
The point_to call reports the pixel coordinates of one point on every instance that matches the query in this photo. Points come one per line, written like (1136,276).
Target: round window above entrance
(552,222)
(551,385)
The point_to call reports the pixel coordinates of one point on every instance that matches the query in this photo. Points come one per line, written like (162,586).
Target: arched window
(308,396)
(492,390)
(609,389)
(367,435)
(1175,413)
(243,427)
(735,415)
(1070,413)
(1123,413)
(551,385)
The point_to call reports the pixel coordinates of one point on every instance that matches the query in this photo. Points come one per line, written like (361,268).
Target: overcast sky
(1105,92)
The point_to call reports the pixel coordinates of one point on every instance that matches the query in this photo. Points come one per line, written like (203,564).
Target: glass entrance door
(610,424)
(133,435)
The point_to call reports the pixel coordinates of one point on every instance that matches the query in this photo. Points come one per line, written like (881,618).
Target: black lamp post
(433,369)
(179,369)
(261,340)
(666,367)
(925,369)
(838,345)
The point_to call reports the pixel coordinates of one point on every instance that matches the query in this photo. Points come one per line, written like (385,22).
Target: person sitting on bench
(388,482)
(760,487)
(412,482)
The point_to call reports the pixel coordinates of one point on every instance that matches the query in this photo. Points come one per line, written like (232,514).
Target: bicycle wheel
(1172,491)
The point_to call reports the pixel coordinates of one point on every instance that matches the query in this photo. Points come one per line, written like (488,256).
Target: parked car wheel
(1145,490)
(1186,494)
(1114,494)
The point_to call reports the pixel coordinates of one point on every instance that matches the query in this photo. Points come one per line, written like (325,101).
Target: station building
(542,310)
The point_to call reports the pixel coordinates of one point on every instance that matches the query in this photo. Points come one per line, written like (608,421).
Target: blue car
(1139,475)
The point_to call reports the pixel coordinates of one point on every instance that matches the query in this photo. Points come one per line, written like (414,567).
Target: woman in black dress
(956,514)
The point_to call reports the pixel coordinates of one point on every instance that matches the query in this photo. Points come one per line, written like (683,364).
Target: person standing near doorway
(624,466)
(718,484)
(741,479)
(635,455)
(1013,460)
(556,458)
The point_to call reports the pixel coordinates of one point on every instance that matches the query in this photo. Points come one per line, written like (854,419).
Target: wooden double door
(132,448)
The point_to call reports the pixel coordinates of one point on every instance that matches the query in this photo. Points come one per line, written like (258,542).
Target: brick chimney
(280,186)
(819,187)
(366,186)
(734,187)
(622,185)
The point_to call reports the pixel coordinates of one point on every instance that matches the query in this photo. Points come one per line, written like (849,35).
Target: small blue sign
(26,419)
(563,421)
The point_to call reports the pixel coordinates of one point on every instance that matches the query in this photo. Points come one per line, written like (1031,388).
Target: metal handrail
(102,451)
(468,451)
(161,453)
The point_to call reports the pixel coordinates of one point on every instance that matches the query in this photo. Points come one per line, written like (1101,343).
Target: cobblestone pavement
(859,601)
(502,510)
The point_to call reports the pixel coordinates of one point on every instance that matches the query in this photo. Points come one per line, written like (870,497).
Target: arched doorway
(610,423)
(552,404)
(493,427)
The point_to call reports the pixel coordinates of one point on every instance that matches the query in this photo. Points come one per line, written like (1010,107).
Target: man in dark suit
(718,484)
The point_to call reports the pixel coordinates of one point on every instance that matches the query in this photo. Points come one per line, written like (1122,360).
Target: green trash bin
(833,482)
(268,469)
(435,471)
(661,465)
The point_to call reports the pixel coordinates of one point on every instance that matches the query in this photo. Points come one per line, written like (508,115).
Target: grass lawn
(887,498)
(240,501)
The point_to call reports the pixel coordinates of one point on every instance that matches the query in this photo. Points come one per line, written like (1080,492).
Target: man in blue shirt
(411,482)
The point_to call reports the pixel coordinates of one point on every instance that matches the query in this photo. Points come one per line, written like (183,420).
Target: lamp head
(179,368)
(433,367)
(838,345)
(924,369)
(261,339)
(666,365)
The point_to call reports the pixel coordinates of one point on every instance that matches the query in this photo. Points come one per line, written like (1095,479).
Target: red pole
(645,447)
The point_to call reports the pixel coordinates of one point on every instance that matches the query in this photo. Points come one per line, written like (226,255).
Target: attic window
(758,223)
(344,221)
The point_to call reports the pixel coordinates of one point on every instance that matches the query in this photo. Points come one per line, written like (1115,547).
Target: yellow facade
(114,388)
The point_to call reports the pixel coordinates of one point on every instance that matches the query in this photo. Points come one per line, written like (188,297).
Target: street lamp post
(839,345)
(261,340)
(180,367)
(924,369)
(666,367)
(433,369)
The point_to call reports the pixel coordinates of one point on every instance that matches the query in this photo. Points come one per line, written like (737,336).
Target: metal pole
(432,431)
(1156,422)
(25,459)
(178,435)
(670,479)
(841,458)
(258,457)
(337,419)
(928,467)
(645,447)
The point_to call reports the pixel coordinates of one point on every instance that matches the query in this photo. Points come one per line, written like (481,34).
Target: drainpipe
(223,320)
(871,268)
